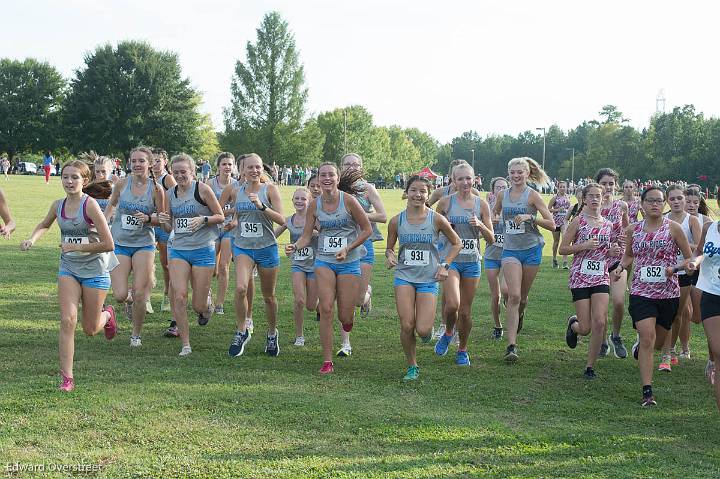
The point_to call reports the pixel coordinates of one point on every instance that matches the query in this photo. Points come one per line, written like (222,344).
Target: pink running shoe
(327,367)
(67,384)
(111,325)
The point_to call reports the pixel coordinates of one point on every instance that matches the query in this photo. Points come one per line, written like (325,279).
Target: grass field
(149,413)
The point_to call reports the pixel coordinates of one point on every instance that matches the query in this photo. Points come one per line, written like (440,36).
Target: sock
(647,391)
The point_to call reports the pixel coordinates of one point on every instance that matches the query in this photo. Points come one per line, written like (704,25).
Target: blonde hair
(462,166)
(455,163)
(535,173)
(180,157)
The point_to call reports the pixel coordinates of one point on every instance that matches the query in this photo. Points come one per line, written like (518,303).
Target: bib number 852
(652,274)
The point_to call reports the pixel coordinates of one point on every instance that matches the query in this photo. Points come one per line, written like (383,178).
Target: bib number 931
(417,257)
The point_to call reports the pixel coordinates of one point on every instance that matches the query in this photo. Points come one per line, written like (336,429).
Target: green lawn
(149,413)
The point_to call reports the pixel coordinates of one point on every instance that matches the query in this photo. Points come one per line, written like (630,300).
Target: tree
(611,114)
(132,95)
(31,95)
(207,147)
(267,90)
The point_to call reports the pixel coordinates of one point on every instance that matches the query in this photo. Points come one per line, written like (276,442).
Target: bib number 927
(652,274)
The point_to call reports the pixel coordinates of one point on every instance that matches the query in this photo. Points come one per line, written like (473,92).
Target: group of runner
(111,229)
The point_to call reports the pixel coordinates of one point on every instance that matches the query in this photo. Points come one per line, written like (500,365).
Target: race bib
(511,228)
(182,225)
(592,267)
(469,246)
(130,222)
(417,257)
(333,244)
(652,274)
(251,230)
(500,240)
(304,254)
(76,240)
(228,216)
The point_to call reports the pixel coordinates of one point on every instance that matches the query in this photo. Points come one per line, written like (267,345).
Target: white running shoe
(165,305)
(345,351)
(300,341)
(135,341)
(185,351)
(148,307)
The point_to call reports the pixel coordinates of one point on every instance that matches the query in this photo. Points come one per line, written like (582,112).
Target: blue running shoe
(442,345)
(462,358)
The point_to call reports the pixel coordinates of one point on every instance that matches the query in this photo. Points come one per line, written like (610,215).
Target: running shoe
(511,353)
(648,401)
(299,341)
(148,307)
(327,367)
(135,341)
(185,351)
(665,363)
(636,347)
(685,354)
(674,361)
(497,334)
(462,358)
(442,345)
(366,307)
(555,264)
(237,347)
(565,265)
(603,350)
(520,322)
(344,351)
(412,374)
(589,374)
(172,332)
(219,309)
(128,310)
(67,384)
(204,318)
(272,346)
(709,368)
(317,315)
(249,325)
(437,333)
(111,324)
(255,272)
(571,336)
(619,349)
(165,305)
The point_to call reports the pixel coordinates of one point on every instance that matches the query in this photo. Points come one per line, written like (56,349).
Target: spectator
(48,162)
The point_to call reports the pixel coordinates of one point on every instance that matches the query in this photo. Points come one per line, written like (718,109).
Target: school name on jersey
(245,206)
(600,238)
(652,244)
(710,250)
(458,220)
(512,211)
(133,207)
(416,238)
(328,224)
(80,231)
(184,210)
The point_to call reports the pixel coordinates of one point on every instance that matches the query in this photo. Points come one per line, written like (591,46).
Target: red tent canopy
(427,173)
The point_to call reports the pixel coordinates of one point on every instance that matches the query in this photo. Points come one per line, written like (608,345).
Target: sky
(444,67)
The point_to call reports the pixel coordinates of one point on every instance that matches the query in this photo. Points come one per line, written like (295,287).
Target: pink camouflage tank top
(654,251)
(634,211)
(563,205)
(590,267)
(615,215)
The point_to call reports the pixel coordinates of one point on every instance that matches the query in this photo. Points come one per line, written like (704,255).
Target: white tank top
(709,280)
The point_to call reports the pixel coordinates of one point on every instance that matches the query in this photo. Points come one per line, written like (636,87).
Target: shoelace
(237,340)
(272,342)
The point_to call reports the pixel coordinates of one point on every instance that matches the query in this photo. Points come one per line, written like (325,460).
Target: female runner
(492,259)
(161,171)
(83,277)
(592,240)
(630,198)
(559,206)
(522,251)
(344,227)
(617,212)
(136,198)
(193,216)
(654,291)
(418,266)
(225,164)
(469,216)
(371,203)
(302,263)
(257,207)
(692,229)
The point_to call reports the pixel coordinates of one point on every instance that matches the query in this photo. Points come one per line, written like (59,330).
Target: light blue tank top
(367,207)
(418,257)
(254,229)
(525,235)
(183,208)
(459,218)
(337,231)
(78,229)
(127,230)
(304,258)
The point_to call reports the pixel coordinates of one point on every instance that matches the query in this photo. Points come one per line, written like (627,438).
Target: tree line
(132,94)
